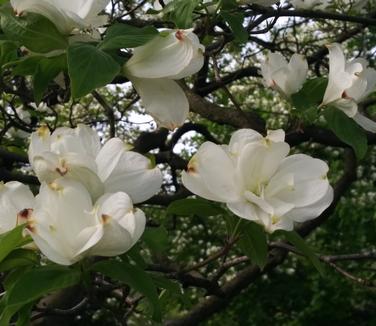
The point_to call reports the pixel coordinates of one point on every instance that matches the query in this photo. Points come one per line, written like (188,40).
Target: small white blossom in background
(66,226)
(258,182)
(348,84)
(309,4)
(154,67)
(286,77)
(78,154)
(16,201)
(24,116)
(67,15)
(265,3)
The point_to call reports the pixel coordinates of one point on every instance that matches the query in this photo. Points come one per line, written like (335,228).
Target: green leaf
(89,68)
(19,258)
(8,52)
(24,315)
(121,36)
(31,285)
(299,243)
(135,277)
(156,239)
(311,94)
(11,240)
(47,69)
(33,31)
(347,130)
(135,255)
(164,283)
(26,66)
(181,12)
(253,242)
(192,206)
(235,21)
(39,281)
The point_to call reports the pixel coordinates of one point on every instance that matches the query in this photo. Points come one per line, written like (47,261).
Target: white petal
(302,214)
(258,162)
(244,209)
(242,137)
(127,171)
(309,180)
(339,79)
(347,106)
(298,69)
(62,224)
(65,21)
(122,226)
(276,136)
(14,198)
(40,141)
(216,168)
(195,183)
(162,57)
(81,140)
(109,156)
(164,100)
(365,122)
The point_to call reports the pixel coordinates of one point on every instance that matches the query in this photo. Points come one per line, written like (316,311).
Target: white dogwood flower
(348,84)
(67,14)
(258,182)
(154,67)
(286,77)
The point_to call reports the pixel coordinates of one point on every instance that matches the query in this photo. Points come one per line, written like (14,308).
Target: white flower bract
(154,67)
(348,84)
(286,77)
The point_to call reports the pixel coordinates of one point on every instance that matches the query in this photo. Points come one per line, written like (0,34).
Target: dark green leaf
(12,240)
(121,36)
(8,52)
(253,242)
(89,68)
(347,130)
(24,315)
(135,277)
(19,258)
(235,21)
(164,283)
(181,12)
(47,69)
(156,239)
(135,255)
(311,94)
(192,206)
(33,31)
(39,281)
(299,243)
(26,66)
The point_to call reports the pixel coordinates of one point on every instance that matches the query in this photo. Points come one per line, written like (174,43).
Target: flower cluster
(153,67)
(85,203)
(348,82)
(258,181)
